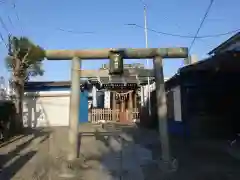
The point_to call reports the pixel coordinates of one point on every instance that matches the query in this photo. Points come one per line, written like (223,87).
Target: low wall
(46,109)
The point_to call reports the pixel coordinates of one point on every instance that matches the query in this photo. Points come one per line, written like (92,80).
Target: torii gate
(157,54)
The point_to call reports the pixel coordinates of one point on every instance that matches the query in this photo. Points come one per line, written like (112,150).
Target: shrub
(7,118)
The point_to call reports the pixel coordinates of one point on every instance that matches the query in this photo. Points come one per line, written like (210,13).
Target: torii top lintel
(128,53)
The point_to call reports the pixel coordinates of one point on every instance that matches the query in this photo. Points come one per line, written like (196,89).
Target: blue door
(83,117)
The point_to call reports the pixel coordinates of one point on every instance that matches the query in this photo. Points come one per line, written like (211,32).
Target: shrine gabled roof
(42,85)
(118,79)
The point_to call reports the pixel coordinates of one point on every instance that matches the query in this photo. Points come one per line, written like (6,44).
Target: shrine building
(107,98)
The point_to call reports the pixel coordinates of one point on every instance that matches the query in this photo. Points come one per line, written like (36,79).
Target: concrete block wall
(46,111)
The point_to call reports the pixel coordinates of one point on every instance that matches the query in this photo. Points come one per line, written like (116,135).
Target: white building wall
(177,103)
(107,99)
(145,90)
(50,109)
(94,96)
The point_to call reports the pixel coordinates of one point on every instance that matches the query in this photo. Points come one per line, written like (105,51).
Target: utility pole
(146,45)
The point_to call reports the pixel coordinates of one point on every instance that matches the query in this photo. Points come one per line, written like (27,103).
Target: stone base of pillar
(70,169)
(66,170)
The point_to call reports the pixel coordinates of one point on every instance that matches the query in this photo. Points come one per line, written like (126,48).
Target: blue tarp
(83,118)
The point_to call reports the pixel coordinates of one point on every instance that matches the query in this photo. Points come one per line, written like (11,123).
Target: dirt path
(103,155)
(106,154)
(128,153)
(20,158)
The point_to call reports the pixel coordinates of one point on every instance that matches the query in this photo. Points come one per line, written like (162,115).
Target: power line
(186,36)
(157,32)
(6,29)
(152,11)
(75,32)
(10,21)
(218,35)
(3,25)
(144,3)
(201,24)
(2,39)
(1,35)
(16,13)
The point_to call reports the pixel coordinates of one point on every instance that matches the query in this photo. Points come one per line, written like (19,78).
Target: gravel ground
(41,155)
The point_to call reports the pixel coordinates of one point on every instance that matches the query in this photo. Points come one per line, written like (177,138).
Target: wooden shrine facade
(124,96)
(123,99)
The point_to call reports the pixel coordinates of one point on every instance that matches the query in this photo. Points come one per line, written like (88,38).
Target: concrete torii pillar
(141,53)
(161,108)
(74,109)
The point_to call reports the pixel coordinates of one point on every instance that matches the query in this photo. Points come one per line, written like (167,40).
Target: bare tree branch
(26,55)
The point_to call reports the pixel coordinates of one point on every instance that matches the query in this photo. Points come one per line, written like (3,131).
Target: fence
(97,115)
(136,114)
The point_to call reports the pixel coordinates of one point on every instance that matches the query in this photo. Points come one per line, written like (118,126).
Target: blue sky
(40,20)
